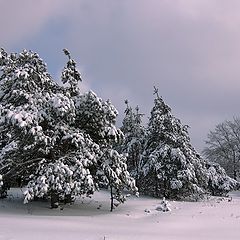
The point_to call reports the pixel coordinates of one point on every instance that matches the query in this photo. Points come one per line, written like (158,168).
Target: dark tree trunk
(235,173)
(234,167)
(54,199)
(156,184)
(3,192)
(68,198)
(112,198)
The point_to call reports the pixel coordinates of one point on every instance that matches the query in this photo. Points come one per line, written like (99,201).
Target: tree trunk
(54,199)
(156,184)
(3,192)
(112,198)
(235,173)
(68,198)
(234,166)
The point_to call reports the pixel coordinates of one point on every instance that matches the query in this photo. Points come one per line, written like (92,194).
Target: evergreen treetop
(134,133)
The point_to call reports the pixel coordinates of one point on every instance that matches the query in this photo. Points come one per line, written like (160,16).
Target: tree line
(61,143)
(162,160)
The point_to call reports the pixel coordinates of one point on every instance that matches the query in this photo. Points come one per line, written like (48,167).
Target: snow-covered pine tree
(219,183)
(98,118)
(26,97)
(171,167)
(54,137)
(134,134)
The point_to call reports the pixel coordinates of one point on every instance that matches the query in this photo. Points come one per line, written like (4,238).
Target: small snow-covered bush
(164,206)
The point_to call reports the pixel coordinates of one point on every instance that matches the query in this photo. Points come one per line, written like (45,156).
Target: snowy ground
(90,219)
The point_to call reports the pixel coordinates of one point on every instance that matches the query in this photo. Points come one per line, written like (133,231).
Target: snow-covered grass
(90,219)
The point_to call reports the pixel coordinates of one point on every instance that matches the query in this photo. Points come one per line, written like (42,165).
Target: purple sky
(189,49)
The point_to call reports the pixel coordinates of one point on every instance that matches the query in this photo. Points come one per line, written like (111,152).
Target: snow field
(90,219)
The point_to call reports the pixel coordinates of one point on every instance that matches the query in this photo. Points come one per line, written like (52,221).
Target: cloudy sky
(189,49)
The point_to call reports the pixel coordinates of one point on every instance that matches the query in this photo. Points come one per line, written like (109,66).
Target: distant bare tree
(223,146)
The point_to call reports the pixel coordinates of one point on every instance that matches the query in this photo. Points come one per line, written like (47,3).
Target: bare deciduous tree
(223,146)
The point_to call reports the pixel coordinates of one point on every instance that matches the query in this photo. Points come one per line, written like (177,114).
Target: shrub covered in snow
(164,206)
(219,182)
